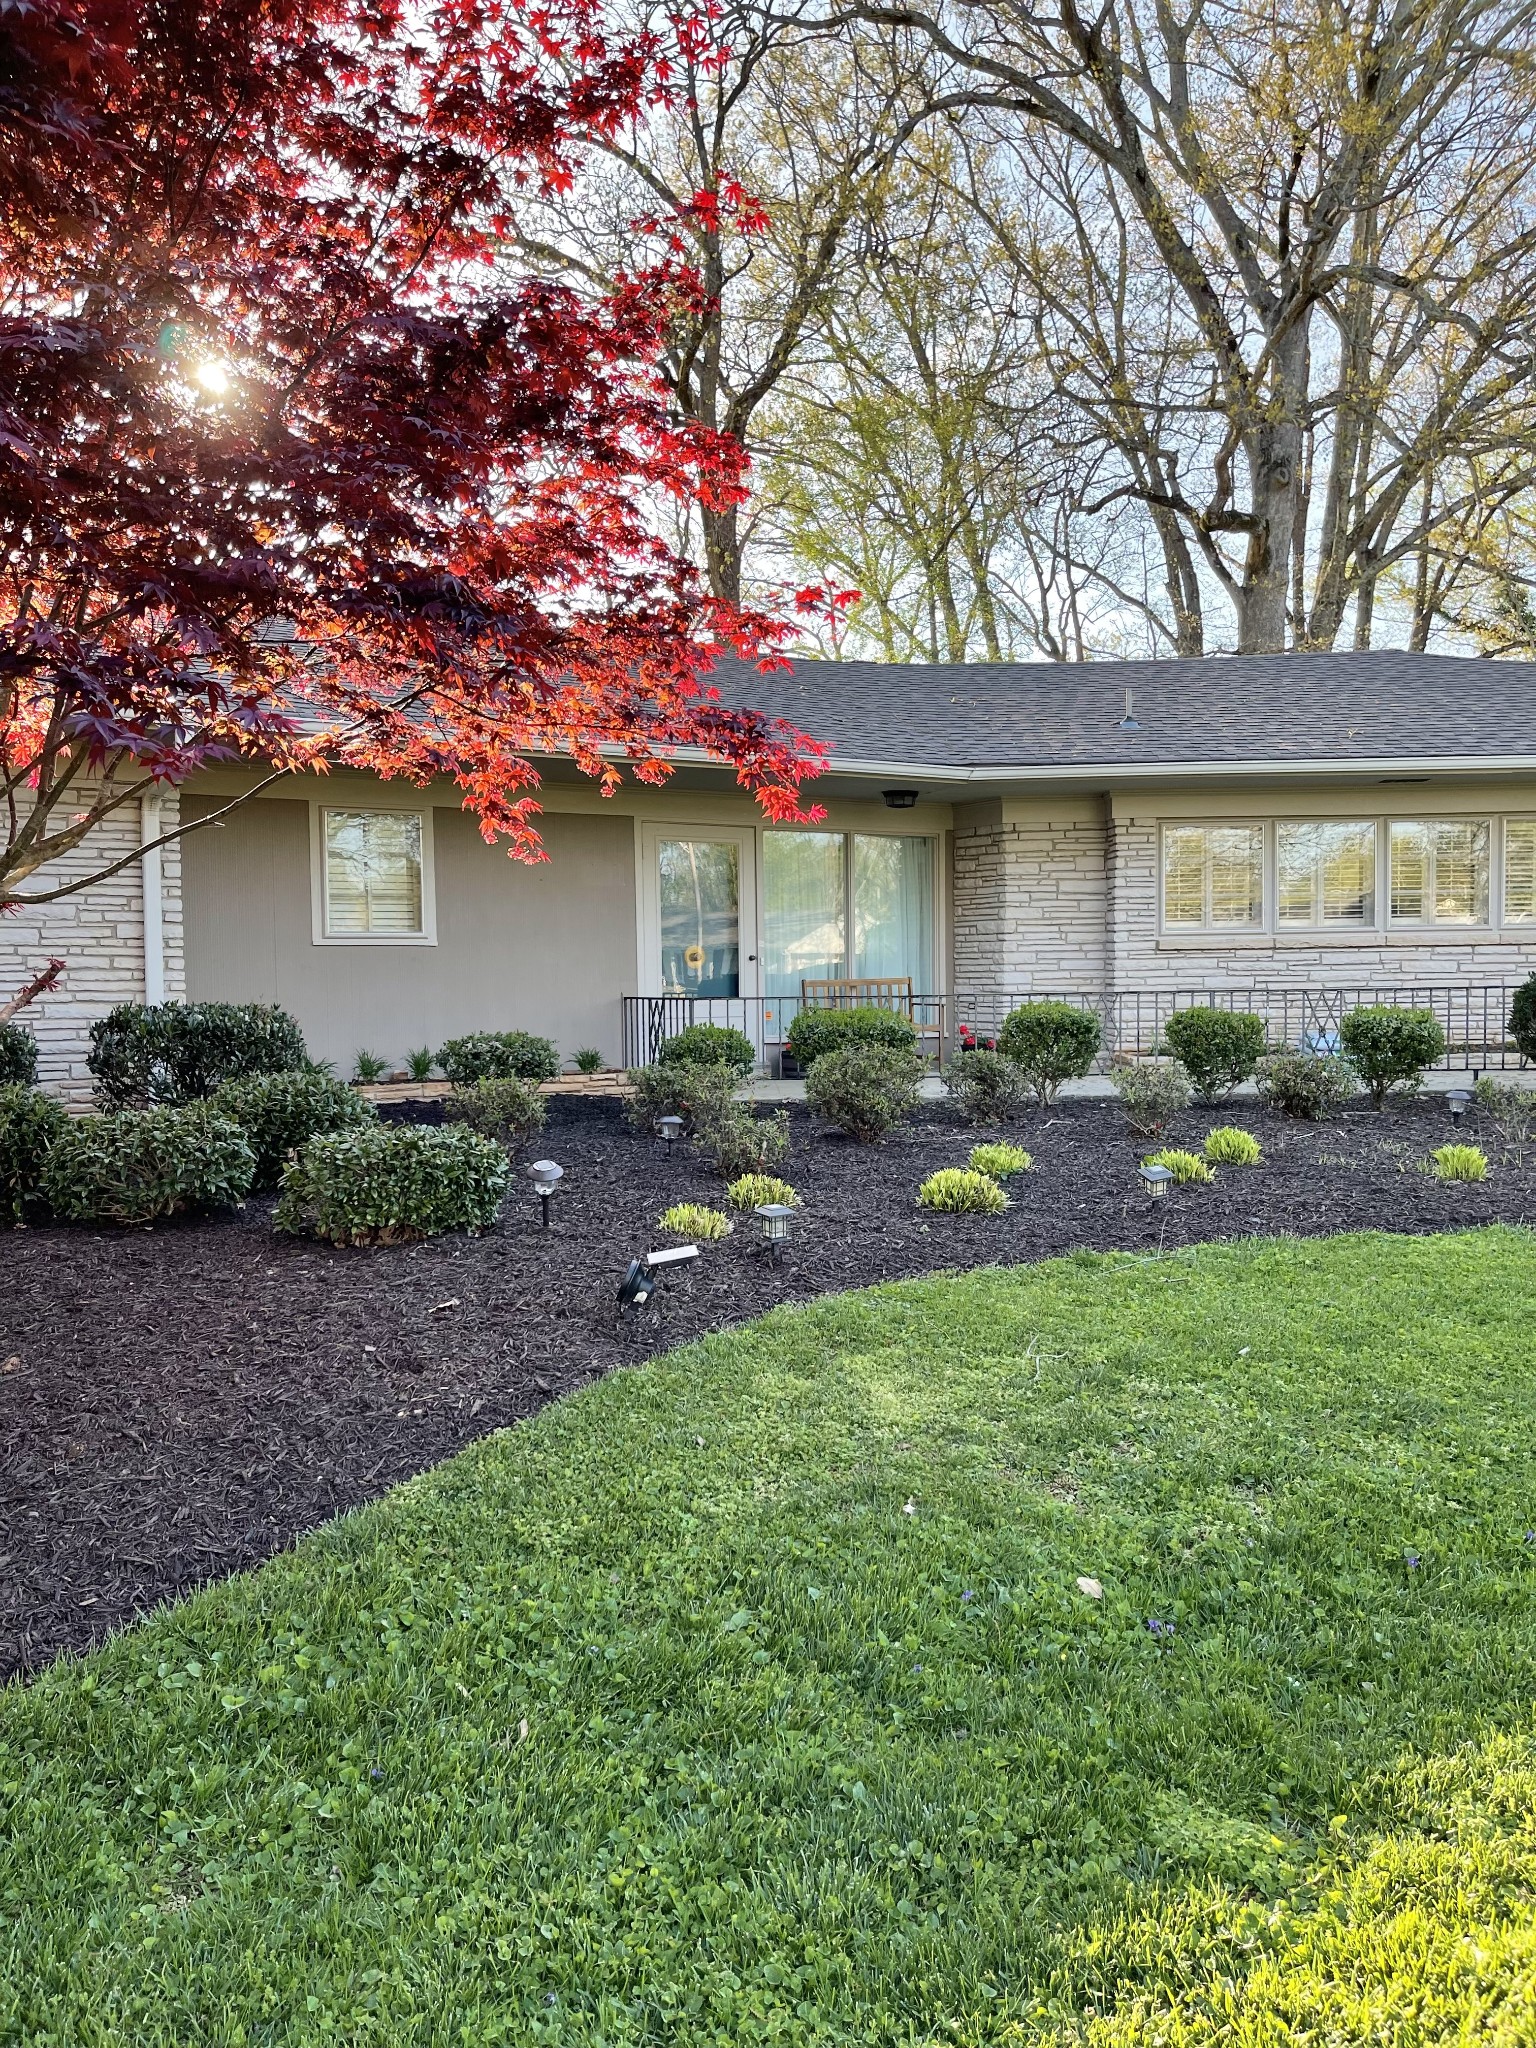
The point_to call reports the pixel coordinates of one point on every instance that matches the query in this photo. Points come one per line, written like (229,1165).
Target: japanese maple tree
(292,468)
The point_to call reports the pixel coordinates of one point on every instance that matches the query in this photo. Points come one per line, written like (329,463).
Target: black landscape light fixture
(1157,1179)
(1458,1101)
(644,1276)
(546,1178)
(899,799)
(670,1128)
(777,1217)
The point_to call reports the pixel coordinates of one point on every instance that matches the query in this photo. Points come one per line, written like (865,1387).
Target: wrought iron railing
(649,1021)
(1475,1020)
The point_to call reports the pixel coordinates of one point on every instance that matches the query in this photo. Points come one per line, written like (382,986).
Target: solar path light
(546,1178)
(1157,1179)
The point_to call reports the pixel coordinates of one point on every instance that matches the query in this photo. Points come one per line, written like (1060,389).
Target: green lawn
(752,1697)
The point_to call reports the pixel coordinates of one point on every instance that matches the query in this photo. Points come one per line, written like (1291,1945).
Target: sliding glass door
(846,905)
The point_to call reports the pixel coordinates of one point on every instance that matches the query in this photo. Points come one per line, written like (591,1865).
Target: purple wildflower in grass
(1160,1628)
(968,1594)
(1530,1535)
(1411,1559)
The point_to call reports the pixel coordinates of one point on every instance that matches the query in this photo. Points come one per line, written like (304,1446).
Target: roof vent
(1130,722)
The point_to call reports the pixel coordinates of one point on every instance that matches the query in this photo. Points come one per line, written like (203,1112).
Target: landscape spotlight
(644,1275)
(1157,1179)
(670,1128)
(546,1178)
(1458,1102)
(776,1220)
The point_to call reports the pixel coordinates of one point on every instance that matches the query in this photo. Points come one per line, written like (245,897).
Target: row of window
(1325,873)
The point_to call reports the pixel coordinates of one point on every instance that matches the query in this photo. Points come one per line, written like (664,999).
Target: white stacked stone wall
(1031,892)
(99,935)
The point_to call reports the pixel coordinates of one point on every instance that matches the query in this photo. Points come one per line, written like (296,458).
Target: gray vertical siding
(549,948)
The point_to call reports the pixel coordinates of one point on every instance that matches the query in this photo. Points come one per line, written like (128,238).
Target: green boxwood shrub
(386,1183)
(18,1056)
(865,1089)
(1307,1085)
(280,1112)
(1050,1043)
(1218,1049)
(506,1110)
(959,1191)
(148,1055)
(133,1165)
(1389,1048)
(1151,1092)
(814,1033)
(30,1121)
(710,1045)
(499,1056)
(986,1087)
(1522,1019)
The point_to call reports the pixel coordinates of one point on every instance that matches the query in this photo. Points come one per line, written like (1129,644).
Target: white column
(154,900)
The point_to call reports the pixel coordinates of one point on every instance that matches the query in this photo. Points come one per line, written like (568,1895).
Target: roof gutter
(1163,771)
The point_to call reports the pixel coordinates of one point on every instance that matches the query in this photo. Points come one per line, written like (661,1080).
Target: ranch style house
(1286,833)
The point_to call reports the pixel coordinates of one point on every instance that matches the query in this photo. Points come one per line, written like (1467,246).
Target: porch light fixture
(1157,1179)
(670,1128)
(644,1275)
(1458,1101)
(776,1221)
(547,1176)
(899,799)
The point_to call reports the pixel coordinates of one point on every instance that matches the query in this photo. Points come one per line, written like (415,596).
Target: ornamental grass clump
(865,1089)
(1050,1043)
(280,1112)
(999,1160)
(1228,1146)
(986,1087)
(1184,1166)
(505,1110)
(1218,1049)
(388,1183)
(1390,1048)
(958,1191)
(696,1221)
(754,1189)
(1151,1092)
(1459,1162)
(136,1164)
(30,1121)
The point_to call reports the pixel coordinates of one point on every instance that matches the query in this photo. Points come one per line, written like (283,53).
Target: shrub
(368,1067)
(135,1164)
(815,1033)
(865,1089)
(1308,1085)
(385,1183)
(498,1056)
(277,1113)
(1051,1043)
(711,1045)
(1459,1162)
(753,1189)
(960,1192)
(701,1096)
(172,1053)
(695,1220)
(1218,1049)
(588,1060)
(1522,1018)
(1228,1146)
(1182,1165)
(505,1110)
(1509,1106)
(986,1087)
(999,1160)
(18,1056)
(29,1123)
(1389,1048)
(738,1142)
(420,1062)
(1151,1092)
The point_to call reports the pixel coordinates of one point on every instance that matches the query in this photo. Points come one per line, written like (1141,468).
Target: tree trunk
(722,552)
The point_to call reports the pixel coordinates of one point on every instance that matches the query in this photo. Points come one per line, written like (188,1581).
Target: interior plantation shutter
(373,874)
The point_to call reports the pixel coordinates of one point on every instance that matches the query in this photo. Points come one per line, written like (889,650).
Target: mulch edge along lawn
(803,1686)
(180,1403)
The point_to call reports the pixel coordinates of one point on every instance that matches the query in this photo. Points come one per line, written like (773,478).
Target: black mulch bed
(178,1403)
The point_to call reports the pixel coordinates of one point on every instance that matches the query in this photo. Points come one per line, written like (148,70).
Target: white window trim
(373,801)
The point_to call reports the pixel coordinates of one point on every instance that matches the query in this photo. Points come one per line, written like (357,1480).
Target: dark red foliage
(292,462)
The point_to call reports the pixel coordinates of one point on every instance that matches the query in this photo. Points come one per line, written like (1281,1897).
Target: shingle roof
(1285,708)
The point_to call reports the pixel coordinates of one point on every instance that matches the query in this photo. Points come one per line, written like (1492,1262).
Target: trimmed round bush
(387,1183)
(147,1055)
(136,1164)
(1228,1146)
(753,1189)
(1184,1166)
(30,1121)
(1522,1019)
(710,1045)
(506,1110)
(18,1056)
(865,1089)
(814,1033)
(959,1191)
(999,1161)
(1050,1043)
(1307,1085)
(986,1087)
(1389,1048)
(695,1220)
(1218,1049)
(499,1056)
(1151,1092)
(280,1112)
